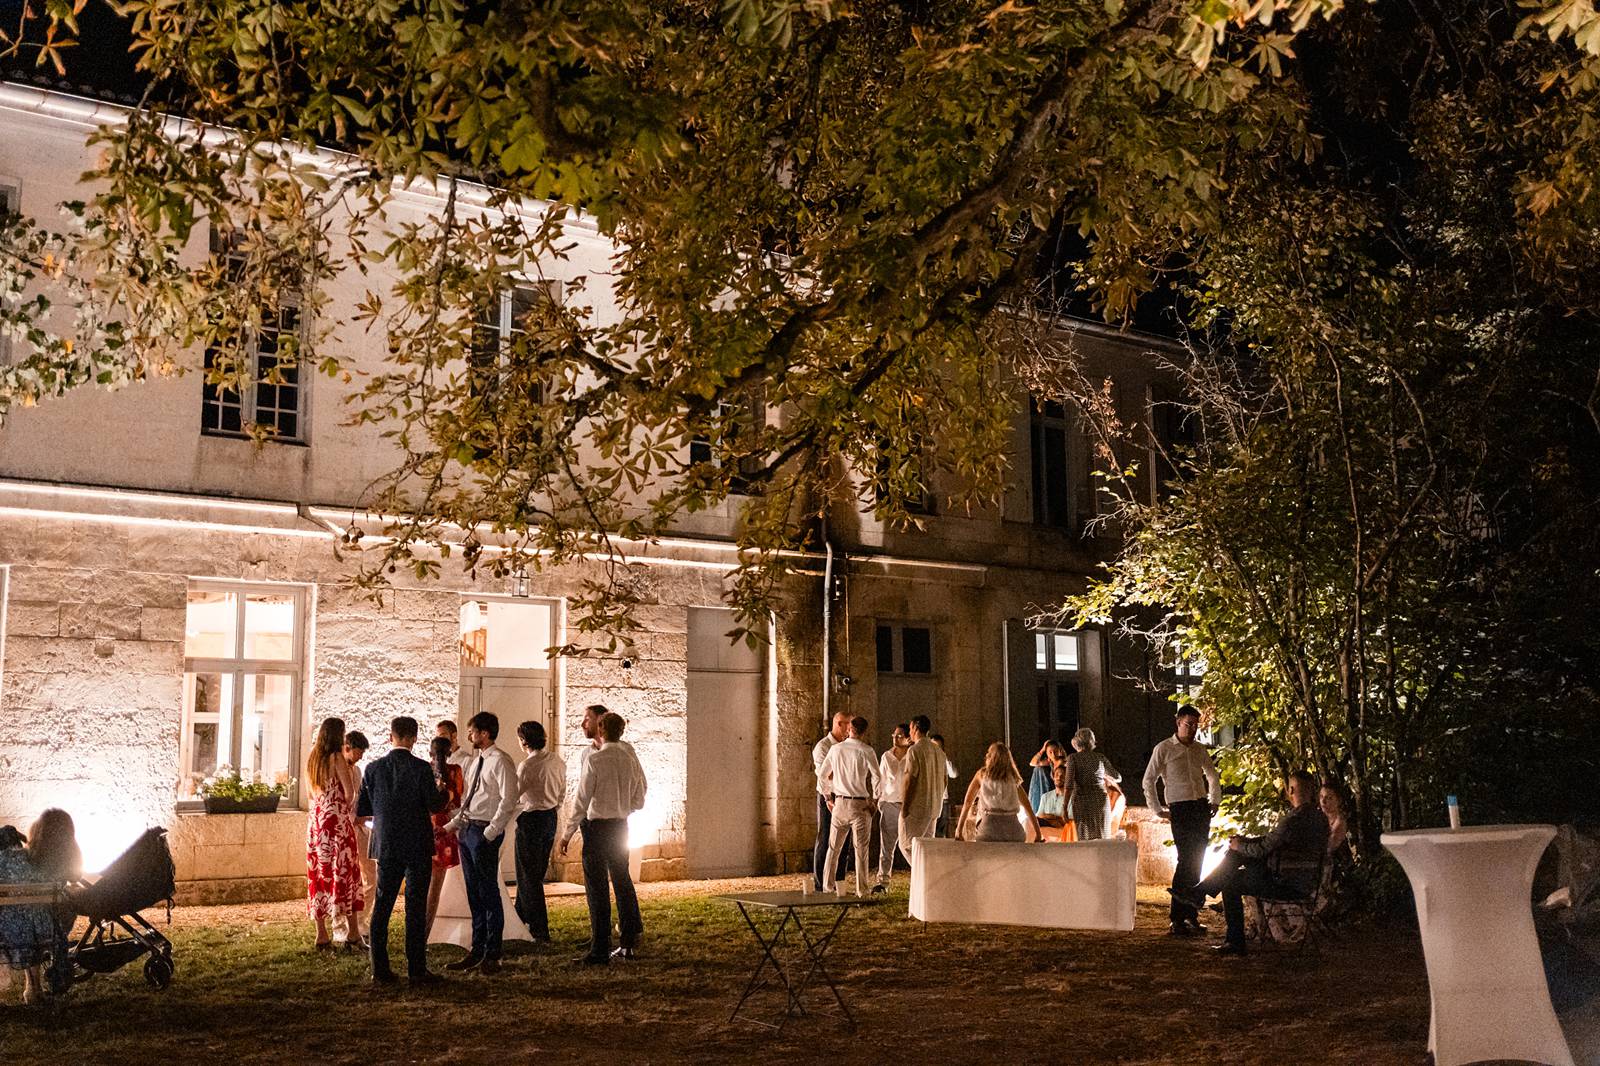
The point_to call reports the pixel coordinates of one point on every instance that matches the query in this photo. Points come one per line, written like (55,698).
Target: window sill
(217,434)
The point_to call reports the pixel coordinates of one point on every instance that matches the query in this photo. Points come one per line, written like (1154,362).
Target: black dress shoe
(426,977)
(384,977)
(462,965)
(489,966)
(1231,947)
(591,960)
(624,953)
(1184,929)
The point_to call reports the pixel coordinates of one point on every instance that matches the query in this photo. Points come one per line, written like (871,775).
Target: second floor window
(732,434)
(500,332)
(1063,493)
(10,208)
(267,392)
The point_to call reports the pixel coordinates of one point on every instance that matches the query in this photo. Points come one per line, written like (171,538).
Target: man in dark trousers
(611,786)
(1190,793)
(399,792)
(1284,864)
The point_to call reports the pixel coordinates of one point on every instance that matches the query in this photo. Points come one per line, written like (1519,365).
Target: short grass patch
(249,989)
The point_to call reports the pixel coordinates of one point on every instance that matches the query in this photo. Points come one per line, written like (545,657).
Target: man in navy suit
(399,792)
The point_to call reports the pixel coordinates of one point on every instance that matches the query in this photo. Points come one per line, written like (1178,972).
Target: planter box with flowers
(230,792)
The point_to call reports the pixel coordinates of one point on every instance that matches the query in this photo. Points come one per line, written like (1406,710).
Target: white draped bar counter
(1084,885)
(1486,981)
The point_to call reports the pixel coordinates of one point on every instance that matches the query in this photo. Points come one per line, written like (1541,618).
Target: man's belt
(478,824)
(858,799)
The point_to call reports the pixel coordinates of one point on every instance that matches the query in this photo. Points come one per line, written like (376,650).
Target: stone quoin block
(30,619)
(162,623)
(117,621)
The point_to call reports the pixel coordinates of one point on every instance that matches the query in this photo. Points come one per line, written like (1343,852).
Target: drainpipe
(1005,674)
(827,626)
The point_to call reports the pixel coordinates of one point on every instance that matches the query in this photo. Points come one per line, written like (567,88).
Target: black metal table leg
(817,950)
(768,950)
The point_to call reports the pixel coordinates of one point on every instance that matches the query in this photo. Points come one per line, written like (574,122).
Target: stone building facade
(172,598)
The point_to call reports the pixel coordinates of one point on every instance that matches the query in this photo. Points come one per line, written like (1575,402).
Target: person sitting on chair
(1284,864)
(1052,806)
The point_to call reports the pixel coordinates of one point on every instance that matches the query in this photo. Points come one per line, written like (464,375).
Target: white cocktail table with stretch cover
(453,923)
(1473,888)
(1089,884)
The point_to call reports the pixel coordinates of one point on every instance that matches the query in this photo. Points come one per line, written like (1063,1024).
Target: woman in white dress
(997,802)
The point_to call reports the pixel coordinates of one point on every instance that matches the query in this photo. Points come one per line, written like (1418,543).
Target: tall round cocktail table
(1485,977)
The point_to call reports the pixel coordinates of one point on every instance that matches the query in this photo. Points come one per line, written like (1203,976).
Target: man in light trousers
(850,782)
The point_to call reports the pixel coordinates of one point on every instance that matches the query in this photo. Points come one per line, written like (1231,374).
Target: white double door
(514,697)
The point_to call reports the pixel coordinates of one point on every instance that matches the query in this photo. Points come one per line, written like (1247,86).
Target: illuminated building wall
(171,601)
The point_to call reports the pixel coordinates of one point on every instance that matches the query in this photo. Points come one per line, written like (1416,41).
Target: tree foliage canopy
(1384,215)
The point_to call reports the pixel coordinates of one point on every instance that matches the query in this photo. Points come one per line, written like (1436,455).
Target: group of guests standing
(452,810)
(906,788)
(905,791)
(33,938)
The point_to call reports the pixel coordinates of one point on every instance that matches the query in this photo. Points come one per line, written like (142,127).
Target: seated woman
(995,801)
(1050,755)
(29,934)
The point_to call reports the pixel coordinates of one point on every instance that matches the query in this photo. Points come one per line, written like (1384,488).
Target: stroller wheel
(158,972)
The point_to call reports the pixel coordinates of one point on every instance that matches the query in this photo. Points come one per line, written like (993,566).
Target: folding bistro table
(1473,889)
(789,905)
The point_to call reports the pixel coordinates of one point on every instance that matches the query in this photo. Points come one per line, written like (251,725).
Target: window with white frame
(500,328)
(734,427)
(267,392)
(1058,693)
(10,208)
(243,679)
(5,589)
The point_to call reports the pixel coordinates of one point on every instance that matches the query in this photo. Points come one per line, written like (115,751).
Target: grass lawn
(249,990)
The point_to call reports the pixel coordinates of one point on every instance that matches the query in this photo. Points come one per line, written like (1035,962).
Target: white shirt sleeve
(505,778)
(1151,772)
(1213,779)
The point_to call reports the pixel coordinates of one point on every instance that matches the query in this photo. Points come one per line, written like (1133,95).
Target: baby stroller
(117,934)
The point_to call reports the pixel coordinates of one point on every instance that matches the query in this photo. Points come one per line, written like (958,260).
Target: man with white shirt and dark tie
(541,786)
(819,853)
(490,803)
(1191,791)
(850,780)
(611,786)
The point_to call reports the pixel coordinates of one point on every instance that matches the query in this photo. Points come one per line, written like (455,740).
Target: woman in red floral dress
(446,845)
(333,874)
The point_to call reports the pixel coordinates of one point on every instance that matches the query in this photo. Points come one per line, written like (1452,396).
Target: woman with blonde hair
(996,800)
(1088,774)
(333,872)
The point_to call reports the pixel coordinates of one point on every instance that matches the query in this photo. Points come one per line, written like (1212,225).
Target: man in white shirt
(1191,791)
(819,852)
(891,793)
(850,777)
(927,778)
(611,786)
(490,803)
(541,786)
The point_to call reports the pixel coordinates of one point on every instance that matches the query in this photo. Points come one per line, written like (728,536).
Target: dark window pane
(916,651)
(1066,709)
(885,649)
(699,450)
(1055,484)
